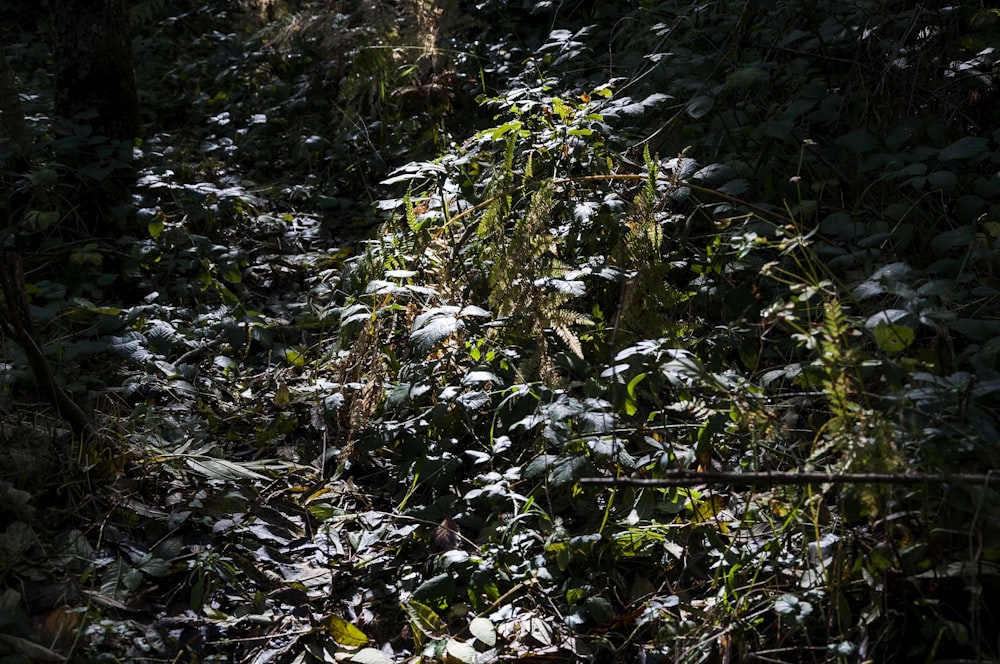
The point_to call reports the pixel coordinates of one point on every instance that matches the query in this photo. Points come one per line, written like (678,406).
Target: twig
(683,478)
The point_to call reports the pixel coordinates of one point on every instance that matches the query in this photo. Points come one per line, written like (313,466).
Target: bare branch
(685,478)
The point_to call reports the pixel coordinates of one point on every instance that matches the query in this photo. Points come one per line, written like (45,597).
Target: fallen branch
(686,478)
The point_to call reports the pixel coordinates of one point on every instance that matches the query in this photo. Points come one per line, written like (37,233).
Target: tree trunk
(95,87)
(15,193)
(13,131)
(94,66)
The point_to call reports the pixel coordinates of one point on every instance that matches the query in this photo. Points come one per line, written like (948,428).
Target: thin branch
(683,478)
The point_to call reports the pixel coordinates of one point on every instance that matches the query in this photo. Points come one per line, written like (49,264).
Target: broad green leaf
(484,631)
(295,357)
(151,565)
(957,238)
(39,220)
(746,77)
(17,538)
(777,128)
(700,106)
(462,651)
(600,609)
(473,400)
(631,403)
(843,226)
(282,397)
(858,141)
(45,177)
(344,633)
(504,129)
(425,620)
(967,147)
(706,509)
(567,470)
(433,332)
(893,338)
(155,226)
(370,656)
(436,590)
(976,328)
(897,137)
(232,275)
(97,172)
(792,606)
(539,465)
(942,180)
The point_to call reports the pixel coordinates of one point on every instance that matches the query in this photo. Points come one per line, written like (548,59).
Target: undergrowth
(669,242)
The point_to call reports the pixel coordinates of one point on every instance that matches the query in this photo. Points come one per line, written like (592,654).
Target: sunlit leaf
(155,226)
(893,338)
(221,468)
(344,633)
(484,631)
(435,591)
(370,656)
(424,619)
(461,651)
(432,331)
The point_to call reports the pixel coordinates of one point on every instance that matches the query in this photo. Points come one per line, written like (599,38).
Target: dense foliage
(410,292)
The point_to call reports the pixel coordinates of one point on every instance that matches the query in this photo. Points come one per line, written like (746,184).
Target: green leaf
(39,220)
(295,357)
(233,274)
(370,656)
(432,330)
(976,328)
(425,620)
(700,106)
(155,226)
(942,180)
(484,631)
(151,565)
(600,609)
(97,172)
(17,539)
(504,129)
(462,651)
(568,470)
(344,633)
(631,403)
(893,338)
(957,238)
(746,77)
(436,590)
(44,177)
(967,147)
(858,141)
